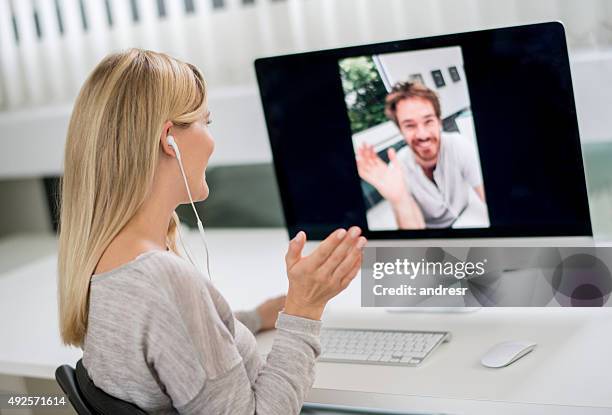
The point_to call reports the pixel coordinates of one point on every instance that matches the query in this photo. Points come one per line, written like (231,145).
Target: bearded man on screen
(428,181)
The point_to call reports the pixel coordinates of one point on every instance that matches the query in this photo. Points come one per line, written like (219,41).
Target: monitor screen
(465,135)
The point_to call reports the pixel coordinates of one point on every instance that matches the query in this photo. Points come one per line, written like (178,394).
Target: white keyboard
(379,347)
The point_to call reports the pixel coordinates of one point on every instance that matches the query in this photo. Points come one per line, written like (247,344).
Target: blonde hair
(112,149)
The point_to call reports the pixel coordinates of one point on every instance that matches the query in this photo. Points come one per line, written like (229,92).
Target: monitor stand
(437,310)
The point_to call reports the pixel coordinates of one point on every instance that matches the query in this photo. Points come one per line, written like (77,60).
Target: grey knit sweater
(162,337)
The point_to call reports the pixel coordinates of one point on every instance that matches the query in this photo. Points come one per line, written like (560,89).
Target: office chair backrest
(66,378)
(87,398)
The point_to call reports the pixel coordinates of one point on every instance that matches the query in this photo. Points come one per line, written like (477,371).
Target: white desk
(571,367)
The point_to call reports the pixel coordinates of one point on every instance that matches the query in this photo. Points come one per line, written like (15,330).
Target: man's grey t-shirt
(161,336)
(456,174)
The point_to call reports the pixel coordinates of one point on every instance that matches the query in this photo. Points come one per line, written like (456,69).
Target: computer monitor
(461,139)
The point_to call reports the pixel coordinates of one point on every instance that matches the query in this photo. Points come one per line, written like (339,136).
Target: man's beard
(429,154)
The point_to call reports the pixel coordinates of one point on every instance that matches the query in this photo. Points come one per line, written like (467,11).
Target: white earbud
(174,145)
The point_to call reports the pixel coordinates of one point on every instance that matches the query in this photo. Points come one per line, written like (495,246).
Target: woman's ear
(163,140)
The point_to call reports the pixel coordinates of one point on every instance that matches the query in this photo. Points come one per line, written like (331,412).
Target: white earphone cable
(200,226)
(187,252)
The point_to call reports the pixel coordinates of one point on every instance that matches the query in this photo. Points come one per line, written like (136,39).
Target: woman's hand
(320,276)
(268,311)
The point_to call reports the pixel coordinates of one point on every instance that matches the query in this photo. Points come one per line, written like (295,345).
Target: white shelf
(32,141)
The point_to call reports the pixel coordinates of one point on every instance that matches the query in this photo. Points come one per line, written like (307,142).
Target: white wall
(32,141)
(592,78)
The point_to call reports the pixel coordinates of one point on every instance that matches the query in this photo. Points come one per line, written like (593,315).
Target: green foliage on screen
(364,92)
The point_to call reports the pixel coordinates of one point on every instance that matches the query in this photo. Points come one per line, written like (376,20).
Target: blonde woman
(154,331)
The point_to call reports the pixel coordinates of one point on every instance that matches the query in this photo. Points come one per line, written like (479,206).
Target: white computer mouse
(503,354)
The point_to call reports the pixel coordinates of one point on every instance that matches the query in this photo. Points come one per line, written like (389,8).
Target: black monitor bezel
(320,231)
